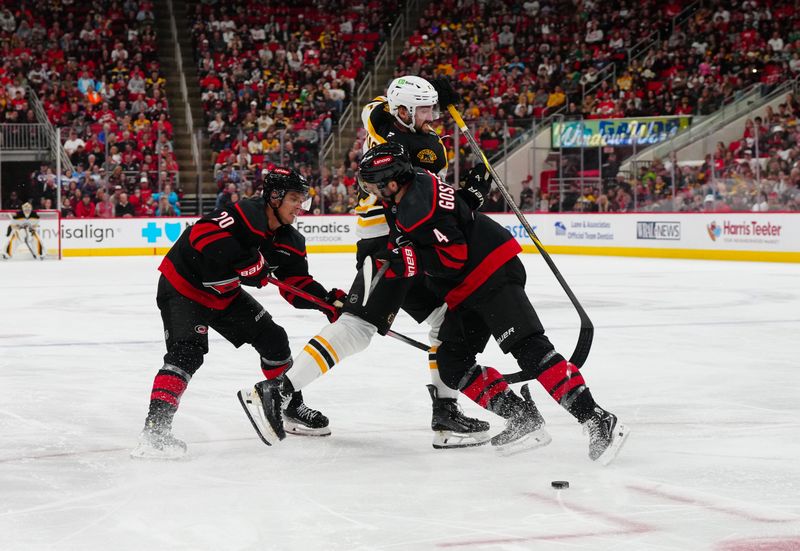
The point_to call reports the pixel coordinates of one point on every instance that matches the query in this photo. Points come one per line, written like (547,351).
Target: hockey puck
(560,484)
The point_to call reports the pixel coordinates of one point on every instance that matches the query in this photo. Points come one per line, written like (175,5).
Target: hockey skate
(157,442)
(263,404)
(606,436)
(301,420)
(524,429)
(451,428)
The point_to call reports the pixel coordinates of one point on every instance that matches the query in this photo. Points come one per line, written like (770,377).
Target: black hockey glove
(402,262)
(447,95)
(254,270)
(335,298)
(476,186)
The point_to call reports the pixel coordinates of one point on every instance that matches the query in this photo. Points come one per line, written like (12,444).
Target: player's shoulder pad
(376,117)
(253,213)
(419,203)
(289,241)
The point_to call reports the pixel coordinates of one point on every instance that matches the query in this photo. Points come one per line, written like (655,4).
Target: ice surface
(698,358)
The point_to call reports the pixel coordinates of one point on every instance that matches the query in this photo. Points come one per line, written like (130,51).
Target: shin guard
(564,382)
(486,387)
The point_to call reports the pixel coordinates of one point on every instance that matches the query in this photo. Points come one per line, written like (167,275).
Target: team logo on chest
(427,156)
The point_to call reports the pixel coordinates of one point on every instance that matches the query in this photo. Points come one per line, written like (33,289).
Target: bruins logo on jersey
(427,156)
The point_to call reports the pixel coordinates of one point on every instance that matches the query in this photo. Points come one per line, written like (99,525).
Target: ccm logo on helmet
(382,160)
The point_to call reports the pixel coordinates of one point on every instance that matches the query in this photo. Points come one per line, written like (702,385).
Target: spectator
(103,207)
(164,207)
(526,196)
(85,208)
(124,208)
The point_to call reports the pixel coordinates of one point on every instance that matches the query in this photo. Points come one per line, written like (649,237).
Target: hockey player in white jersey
(404,115)
(24,228)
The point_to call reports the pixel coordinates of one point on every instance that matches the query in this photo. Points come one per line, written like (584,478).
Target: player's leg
(369,309)
(186,335)
(464,334)
(11,233)
(38,246)
(519,331)
(451,428)
(272,344)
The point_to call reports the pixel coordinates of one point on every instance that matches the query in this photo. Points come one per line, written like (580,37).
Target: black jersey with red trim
(463,253)
(201,263)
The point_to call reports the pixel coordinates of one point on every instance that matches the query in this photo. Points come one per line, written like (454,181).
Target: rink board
(773,237)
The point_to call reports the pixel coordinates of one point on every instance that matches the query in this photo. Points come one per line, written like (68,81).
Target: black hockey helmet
(383,163)
(280,180)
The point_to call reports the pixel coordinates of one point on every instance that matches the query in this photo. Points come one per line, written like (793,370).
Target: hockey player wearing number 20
(200,287)
(472,262)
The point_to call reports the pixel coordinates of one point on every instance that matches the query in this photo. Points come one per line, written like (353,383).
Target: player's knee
(454,362)
(272,343)
(535,354)
(187,356)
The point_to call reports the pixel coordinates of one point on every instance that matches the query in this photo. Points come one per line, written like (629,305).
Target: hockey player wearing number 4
(472,261)
(382,286)
(200,287)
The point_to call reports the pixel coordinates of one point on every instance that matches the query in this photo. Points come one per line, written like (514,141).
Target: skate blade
(621,433)
(252,407)
(531,441)
(445,439)
(299,429)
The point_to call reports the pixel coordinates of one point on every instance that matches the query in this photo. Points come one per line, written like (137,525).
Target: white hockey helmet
(411,92)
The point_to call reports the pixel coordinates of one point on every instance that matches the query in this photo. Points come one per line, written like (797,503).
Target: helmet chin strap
(275,211)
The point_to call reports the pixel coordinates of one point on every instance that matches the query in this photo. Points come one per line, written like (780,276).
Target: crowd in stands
(519,60)
(274,80)
(758,172)
(94,67)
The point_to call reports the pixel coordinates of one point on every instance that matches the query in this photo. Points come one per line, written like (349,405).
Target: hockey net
(47,228)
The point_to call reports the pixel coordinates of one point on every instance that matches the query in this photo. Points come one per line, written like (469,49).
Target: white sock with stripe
(348,336)
(435,321)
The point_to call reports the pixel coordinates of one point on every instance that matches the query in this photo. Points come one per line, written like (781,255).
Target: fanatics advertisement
(723,236)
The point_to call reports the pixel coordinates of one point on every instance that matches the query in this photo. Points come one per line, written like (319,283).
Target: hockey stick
(331,308)
(584,344)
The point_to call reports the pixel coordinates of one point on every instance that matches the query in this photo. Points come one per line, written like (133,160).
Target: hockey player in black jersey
(471,261)
(403,116)
(201,287)
(24,227)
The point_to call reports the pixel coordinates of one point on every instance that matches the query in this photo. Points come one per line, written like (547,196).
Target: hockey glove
(476,186)
(447,95)
(254,270)
(402,262)
(335,298)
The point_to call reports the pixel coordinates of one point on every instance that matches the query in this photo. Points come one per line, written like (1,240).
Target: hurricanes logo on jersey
(427,156)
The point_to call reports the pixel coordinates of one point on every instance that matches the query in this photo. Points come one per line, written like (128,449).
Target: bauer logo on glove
(402,262)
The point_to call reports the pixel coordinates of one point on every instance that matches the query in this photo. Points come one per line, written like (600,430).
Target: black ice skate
(157,442)
(524,428)
(606,435)
(453,429)
(263,404)
(301,420)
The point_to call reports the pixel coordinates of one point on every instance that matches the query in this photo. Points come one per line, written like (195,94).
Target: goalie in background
(24,227)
